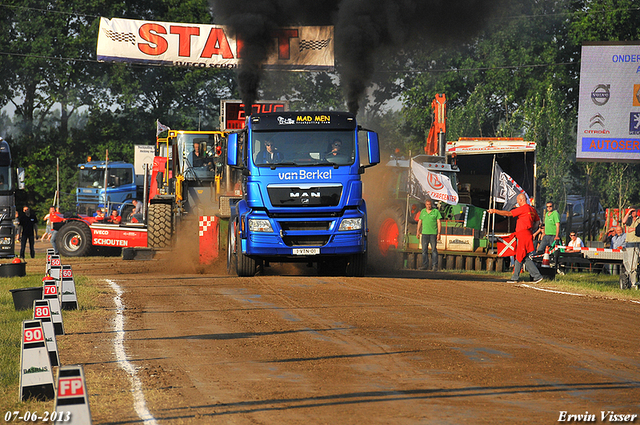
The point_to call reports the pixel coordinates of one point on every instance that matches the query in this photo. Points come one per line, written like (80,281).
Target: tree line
(517,78)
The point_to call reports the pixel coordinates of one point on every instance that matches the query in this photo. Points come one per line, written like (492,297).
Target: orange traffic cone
(546,259)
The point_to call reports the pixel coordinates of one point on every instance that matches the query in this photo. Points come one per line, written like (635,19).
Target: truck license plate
(306,251)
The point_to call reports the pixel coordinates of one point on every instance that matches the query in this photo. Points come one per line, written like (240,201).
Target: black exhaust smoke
(364,29)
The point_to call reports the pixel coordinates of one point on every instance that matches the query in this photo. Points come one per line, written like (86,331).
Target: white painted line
(564,293)
(139,403)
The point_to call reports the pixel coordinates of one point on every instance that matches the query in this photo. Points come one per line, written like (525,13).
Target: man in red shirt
(56,223)
(526,217)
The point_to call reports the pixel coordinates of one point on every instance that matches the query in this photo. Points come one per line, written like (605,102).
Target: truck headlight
(350,224)
(259,225)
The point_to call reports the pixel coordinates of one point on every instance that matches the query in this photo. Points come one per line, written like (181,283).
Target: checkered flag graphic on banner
(121,36)
(313,44)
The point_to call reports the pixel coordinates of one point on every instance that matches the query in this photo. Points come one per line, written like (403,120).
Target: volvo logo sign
(600,95)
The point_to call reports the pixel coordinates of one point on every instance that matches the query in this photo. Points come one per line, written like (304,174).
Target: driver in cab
(199,156)
(269,155)
(335,150)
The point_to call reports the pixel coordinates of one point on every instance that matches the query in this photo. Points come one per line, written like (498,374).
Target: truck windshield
(5,178)
(299,148)
(91,178)
(197,155)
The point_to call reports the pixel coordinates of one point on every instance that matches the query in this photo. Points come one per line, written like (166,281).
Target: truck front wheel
(357,265)
(245,265)
(231,248)
(74,240)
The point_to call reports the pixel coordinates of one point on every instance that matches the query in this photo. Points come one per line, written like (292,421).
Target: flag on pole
(425,184)
(160,128)
(474,217)
(505,189)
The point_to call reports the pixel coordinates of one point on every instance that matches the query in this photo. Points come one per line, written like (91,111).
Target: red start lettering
(184,38)
(216,44)
(157,44)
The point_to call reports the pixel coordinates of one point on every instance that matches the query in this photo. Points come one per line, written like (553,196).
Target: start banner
(209,46)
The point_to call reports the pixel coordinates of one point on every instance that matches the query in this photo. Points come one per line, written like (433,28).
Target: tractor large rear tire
(388,232)
(160,226)
(74,239)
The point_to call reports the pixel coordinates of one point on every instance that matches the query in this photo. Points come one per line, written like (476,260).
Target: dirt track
(411,348)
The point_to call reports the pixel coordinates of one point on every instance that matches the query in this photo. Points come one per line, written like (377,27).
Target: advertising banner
(425,184)
(118,237)
(209,46)
(609,103)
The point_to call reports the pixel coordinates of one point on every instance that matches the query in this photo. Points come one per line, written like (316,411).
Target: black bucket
(23,298)
(13,269)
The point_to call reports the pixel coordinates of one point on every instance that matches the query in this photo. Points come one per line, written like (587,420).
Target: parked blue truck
(121,186)
(302,192)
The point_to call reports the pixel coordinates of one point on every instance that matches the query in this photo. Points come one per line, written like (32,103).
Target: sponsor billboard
(209,46)
(609,103)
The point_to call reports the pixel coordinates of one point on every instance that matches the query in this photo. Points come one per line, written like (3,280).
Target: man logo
(600,95)
(304,195)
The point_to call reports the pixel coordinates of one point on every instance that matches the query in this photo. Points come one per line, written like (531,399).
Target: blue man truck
(302,192)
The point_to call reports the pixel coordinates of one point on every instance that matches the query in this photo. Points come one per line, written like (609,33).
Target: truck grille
(314,196)
(311,240)
(305,225)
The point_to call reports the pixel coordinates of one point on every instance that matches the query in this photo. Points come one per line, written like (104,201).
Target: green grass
(10,338)
(595,284)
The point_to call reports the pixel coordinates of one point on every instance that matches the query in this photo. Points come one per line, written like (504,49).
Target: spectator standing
(619,238)
(29,224)
(429,227)
(16,224)
(56,223)
(527,219)
(632,251)
(47,232)
(551,227)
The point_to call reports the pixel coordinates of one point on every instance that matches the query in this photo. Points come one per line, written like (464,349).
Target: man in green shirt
(551,227)
(429,226)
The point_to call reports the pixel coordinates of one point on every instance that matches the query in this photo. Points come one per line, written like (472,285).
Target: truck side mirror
(232,149)
(374,147)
